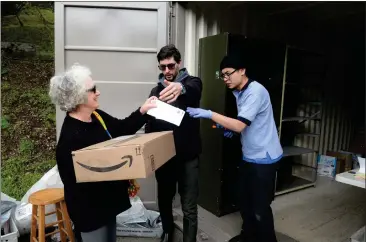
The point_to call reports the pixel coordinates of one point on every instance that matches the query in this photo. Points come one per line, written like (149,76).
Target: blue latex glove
(227,133)
(199,113)
(219,126)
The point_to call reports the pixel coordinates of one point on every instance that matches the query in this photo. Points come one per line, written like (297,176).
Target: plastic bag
(138,221)
(5,197)
(5,225)
(8,204)
(135,214)
(151,228)
(22,215)
(51,179)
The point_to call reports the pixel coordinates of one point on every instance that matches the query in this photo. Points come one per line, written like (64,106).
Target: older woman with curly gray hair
(92,206)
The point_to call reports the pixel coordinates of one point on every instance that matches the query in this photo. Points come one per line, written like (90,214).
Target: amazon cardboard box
(125,157)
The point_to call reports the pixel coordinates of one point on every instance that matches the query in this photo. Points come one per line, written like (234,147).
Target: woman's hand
(149,104)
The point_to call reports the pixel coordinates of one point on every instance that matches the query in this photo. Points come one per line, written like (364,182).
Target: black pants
(257,185)
(185,173)
(77,235)
(107,233)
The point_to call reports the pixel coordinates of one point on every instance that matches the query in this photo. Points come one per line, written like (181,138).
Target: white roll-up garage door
(119,42)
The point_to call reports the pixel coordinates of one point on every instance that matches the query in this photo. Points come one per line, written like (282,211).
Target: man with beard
(261,149)
(181,90)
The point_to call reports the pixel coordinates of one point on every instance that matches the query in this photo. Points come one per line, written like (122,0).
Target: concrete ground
(330,212)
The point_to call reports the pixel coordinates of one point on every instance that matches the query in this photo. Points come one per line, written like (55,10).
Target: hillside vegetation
(28,125)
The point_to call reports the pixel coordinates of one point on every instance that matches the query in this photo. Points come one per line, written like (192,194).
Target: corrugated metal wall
(336,127)
(198,24)
(333,131)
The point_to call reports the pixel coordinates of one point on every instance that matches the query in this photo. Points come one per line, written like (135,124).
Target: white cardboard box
(327,166)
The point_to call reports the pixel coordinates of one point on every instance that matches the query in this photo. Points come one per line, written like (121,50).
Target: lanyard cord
(102,123)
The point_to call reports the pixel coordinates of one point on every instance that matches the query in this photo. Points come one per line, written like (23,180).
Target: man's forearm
(228,123)
(193,91)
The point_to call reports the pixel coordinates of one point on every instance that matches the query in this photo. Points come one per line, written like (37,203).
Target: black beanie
(232,61)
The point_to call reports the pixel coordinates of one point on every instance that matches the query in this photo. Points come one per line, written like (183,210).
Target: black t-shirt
(187,136)
(91,205)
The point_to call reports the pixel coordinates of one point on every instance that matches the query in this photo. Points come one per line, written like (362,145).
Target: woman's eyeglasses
(93,89)
(170,66)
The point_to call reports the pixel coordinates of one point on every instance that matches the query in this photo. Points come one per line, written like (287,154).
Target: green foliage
(21,171)
(36,96)
(34,14)
(5,86)
(30,16)
(11,8)
(26,147)
(19,174)
(28,118)
(4,70)
(37,35)
(38,29)
(4,122)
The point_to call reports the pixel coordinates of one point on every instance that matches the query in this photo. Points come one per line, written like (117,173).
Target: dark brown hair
(169,51)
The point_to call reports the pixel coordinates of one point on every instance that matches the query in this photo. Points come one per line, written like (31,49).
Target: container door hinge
(171,21)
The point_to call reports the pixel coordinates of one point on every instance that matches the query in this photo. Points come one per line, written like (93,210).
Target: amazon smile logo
(126,159)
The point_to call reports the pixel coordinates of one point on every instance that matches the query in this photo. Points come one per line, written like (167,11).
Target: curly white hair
(68,90)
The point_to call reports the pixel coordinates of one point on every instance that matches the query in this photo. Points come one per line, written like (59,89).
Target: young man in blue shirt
(261,149)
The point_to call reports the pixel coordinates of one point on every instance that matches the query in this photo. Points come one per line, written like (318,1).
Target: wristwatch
(183,89)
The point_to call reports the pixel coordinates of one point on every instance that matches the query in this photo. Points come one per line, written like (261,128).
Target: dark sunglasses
(222,76)
(93,89)
(170,66)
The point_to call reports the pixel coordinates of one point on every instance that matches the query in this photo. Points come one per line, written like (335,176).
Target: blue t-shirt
(260,141)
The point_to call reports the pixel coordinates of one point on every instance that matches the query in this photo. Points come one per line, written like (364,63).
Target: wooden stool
(48,197)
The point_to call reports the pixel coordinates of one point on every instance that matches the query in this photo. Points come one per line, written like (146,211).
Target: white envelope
(167,113)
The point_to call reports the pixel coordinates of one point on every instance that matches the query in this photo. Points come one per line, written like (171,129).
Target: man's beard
(171,78)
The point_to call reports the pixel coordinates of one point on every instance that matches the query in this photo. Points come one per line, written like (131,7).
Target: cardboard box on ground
(124,157)
(335,162)
(344,161)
